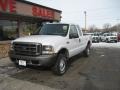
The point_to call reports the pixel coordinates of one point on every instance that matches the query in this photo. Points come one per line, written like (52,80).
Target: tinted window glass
(80,32)
(73,30)
(54,29)
(8,30)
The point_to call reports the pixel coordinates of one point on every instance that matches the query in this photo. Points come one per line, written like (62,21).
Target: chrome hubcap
(62,65)
(88,51)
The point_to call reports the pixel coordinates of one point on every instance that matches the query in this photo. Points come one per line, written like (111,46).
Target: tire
(60,66)
(13,60)
(106,41)
(116,41)
(87,51)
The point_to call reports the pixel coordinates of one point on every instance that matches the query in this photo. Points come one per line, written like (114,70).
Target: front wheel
(60,66)
(116,41)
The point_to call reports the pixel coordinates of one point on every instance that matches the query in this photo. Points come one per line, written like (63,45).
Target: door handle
(67,42)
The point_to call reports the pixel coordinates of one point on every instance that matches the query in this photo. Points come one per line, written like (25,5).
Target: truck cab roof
(62,23)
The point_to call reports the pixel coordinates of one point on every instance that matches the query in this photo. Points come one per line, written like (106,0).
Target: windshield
(54,29)
(95,34)
(111,34)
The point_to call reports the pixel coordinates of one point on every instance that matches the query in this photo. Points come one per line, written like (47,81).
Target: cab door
(82,40)
(73,41)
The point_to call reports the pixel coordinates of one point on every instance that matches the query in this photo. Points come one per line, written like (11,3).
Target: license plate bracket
(22,63)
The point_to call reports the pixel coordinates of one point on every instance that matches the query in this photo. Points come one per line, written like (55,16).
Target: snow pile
(106,45)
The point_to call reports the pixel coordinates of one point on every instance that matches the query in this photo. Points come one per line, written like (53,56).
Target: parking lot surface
(100,71)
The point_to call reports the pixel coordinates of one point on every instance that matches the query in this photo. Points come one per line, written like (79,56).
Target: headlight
(47,50)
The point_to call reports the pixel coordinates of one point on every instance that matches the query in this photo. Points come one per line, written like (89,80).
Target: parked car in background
(91,34)
(96,38)
(103,37)
(111,37)
(118,36)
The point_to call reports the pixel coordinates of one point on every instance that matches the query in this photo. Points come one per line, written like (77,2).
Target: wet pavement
(100,71)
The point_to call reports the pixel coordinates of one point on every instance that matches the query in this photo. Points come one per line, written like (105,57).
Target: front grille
(113,38)
(29,49)
(94,38)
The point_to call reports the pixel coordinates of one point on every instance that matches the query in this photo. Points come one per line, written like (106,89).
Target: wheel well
(89,43)
(64,51)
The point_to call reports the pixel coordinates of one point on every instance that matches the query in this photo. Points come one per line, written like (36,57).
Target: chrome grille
(30,49)
(113,38)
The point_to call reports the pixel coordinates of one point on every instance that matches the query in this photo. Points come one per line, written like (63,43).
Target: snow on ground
(106,45)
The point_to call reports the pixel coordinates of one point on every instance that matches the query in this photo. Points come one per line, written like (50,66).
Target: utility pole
(85,20)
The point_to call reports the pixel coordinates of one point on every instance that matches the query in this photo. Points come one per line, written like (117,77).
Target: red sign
(42,12)
(8,5)
(23,8)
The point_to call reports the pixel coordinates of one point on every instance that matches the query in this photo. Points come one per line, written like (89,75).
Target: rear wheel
(87,51)
(115,41)
(107,40)
(60,66)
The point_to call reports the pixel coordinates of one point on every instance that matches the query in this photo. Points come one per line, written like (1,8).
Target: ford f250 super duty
(52,45)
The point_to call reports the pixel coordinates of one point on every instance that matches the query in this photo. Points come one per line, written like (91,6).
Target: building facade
(20,18)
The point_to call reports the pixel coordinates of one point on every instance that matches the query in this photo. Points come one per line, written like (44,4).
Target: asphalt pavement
(100,71)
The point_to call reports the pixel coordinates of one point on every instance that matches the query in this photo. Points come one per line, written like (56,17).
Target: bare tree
(92,28)
(115,28)
(118,27)
(107,27)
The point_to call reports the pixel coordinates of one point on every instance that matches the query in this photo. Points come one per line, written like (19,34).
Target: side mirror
(73,35)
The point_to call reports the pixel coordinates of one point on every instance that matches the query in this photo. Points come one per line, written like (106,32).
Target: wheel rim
(88,51)
(62,65)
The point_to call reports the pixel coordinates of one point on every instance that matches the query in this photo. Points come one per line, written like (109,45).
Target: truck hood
(44,39)
(111,36)
(95,36)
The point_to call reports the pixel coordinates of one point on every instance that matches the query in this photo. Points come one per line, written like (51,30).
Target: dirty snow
(106,45)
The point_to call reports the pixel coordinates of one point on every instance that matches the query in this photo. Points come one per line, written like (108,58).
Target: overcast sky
(99,12)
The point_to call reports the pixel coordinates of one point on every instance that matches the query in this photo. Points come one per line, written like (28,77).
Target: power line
(93,10)
(103,8)
(99,18)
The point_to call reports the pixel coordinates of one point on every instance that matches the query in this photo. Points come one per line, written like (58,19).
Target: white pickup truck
(53,45)
(111,37)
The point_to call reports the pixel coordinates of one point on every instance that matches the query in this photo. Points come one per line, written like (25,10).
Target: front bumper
(95,40)
(42,60)
(112,40)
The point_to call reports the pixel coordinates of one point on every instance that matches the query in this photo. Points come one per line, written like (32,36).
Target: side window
(80,32)
(73,32)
